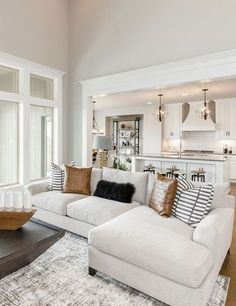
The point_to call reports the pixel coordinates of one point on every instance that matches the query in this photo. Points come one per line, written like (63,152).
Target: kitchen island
(216,167)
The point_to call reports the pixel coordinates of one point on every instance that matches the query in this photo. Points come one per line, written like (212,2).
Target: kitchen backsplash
(206,141)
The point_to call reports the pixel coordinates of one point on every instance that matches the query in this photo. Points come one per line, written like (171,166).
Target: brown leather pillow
(77,180)
(163,195)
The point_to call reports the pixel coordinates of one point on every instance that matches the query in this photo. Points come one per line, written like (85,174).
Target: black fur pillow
(114,191)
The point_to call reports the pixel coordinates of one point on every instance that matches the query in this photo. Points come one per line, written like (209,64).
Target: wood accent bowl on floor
(13,220)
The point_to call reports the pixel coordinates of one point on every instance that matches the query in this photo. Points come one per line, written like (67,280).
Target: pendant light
(159,112)
(95,129)
(203,111)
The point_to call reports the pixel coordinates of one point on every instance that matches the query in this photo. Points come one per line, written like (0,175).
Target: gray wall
(37,30)
(110,36)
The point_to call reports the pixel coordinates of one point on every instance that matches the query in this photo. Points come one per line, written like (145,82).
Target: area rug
(59,277)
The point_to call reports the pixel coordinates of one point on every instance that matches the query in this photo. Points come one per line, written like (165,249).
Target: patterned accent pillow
(57,177)
(192,204)
(183,184)
(163,195)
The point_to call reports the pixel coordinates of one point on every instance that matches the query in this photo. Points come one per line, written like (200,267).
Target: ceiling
(191,92)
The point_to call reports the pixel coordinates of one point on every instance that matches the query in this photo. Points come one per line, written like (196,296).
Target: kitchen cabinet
(233,168)
(171,124)
(226,118)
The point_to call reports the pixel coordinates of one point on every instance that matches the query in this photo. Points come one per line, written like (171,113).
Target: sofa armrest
(215,231)
(37,187)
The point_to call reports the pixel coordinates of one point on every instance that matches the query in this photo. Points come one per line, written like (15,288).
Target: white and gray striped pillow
(57,177)
(192,204)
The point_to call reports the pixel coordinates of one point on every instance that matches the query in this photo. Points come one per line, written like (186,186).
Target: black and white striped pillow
(183,184)
(57,177)
(192,204)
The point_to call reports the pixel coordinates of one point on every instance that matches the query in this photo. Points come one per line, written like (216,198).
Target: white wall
(37,30)
(110,36)
(151,141)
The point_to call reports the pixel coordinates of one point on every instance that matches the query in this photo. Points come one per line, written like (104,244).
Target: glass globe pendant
(159,112)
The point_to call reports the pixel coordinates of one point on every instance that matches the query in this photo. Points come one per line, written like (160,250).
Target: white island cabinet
(217,168)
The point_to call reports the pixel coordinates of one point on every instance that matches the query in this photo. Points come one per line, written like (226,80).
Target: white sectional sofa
(162,257)
(79,213)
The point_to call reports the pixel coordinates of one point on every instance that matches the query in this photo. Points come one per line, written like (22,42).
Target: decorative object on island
(103,144)
(96,130)
(118,164)
(15,209)
(160,112)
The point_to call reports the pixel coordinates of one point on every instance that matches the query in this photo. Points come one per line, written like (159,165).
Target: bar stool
(150,169)
(198,175)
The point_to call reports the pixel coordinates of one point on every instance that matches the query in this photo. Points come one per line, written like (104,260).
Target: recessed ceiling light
(205,81)
(149,103)
(185,94)
(100,96)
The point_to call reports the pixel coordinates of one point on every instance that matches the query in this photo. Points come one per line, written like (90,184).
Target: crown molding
(18,62)
(212,66)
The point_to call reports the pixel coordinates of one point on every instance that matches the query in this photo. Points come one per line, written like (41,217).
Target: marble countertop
(186,156)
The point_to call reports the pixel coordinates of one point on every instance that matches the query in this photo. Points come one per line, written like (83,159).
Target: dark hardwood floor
(229,267)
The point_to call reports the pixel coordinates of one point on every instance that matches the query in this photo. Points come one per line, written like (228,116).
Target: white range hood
(192,122)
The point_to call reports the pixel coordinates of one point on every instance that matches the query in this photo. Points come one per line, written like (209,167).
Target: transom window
(41,87)
(9,79)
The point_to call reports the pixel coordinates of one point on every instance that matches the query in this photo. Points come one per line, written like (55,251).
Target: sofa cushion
(138,179)
(221,192)
(96,211)
(96,176)
(162,246)
(55,201)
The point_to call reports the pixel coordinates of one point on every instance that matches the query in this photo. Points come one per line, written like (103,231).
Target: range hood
(191,121)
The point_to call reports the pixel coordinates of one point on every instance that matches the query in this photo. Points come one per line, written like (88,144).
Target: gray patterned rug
(59,277)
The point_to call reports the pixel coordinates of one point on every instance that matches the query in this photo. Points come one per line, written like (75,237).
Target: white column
(87,124)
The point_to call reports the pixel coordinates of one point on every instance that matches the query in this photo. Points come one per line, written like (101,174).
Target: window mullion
(24,130)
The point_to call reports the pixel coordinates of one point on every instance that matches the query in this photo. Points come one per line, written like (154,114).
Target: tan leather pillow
(163,195)
(77,180)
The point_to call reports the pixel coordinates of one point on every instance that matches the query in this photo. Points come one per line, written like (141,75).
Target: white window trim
(24,99)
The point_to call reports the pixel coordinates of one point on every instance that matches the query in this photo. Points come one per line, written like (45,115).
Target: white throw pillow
(96,176)
(221,191)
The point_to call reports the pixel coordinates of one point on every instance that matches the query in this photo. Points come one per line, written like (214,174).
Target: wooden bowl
(13,220)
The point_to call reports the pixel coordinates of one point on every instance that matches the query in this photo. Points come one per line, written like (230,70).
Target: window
(41,87)
(30,120)
(8,79)
(8,143)
(41,141)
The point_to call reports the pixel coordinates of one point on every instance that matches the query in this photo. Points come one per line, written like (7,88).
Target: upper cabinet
(171,124)
(226,118)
